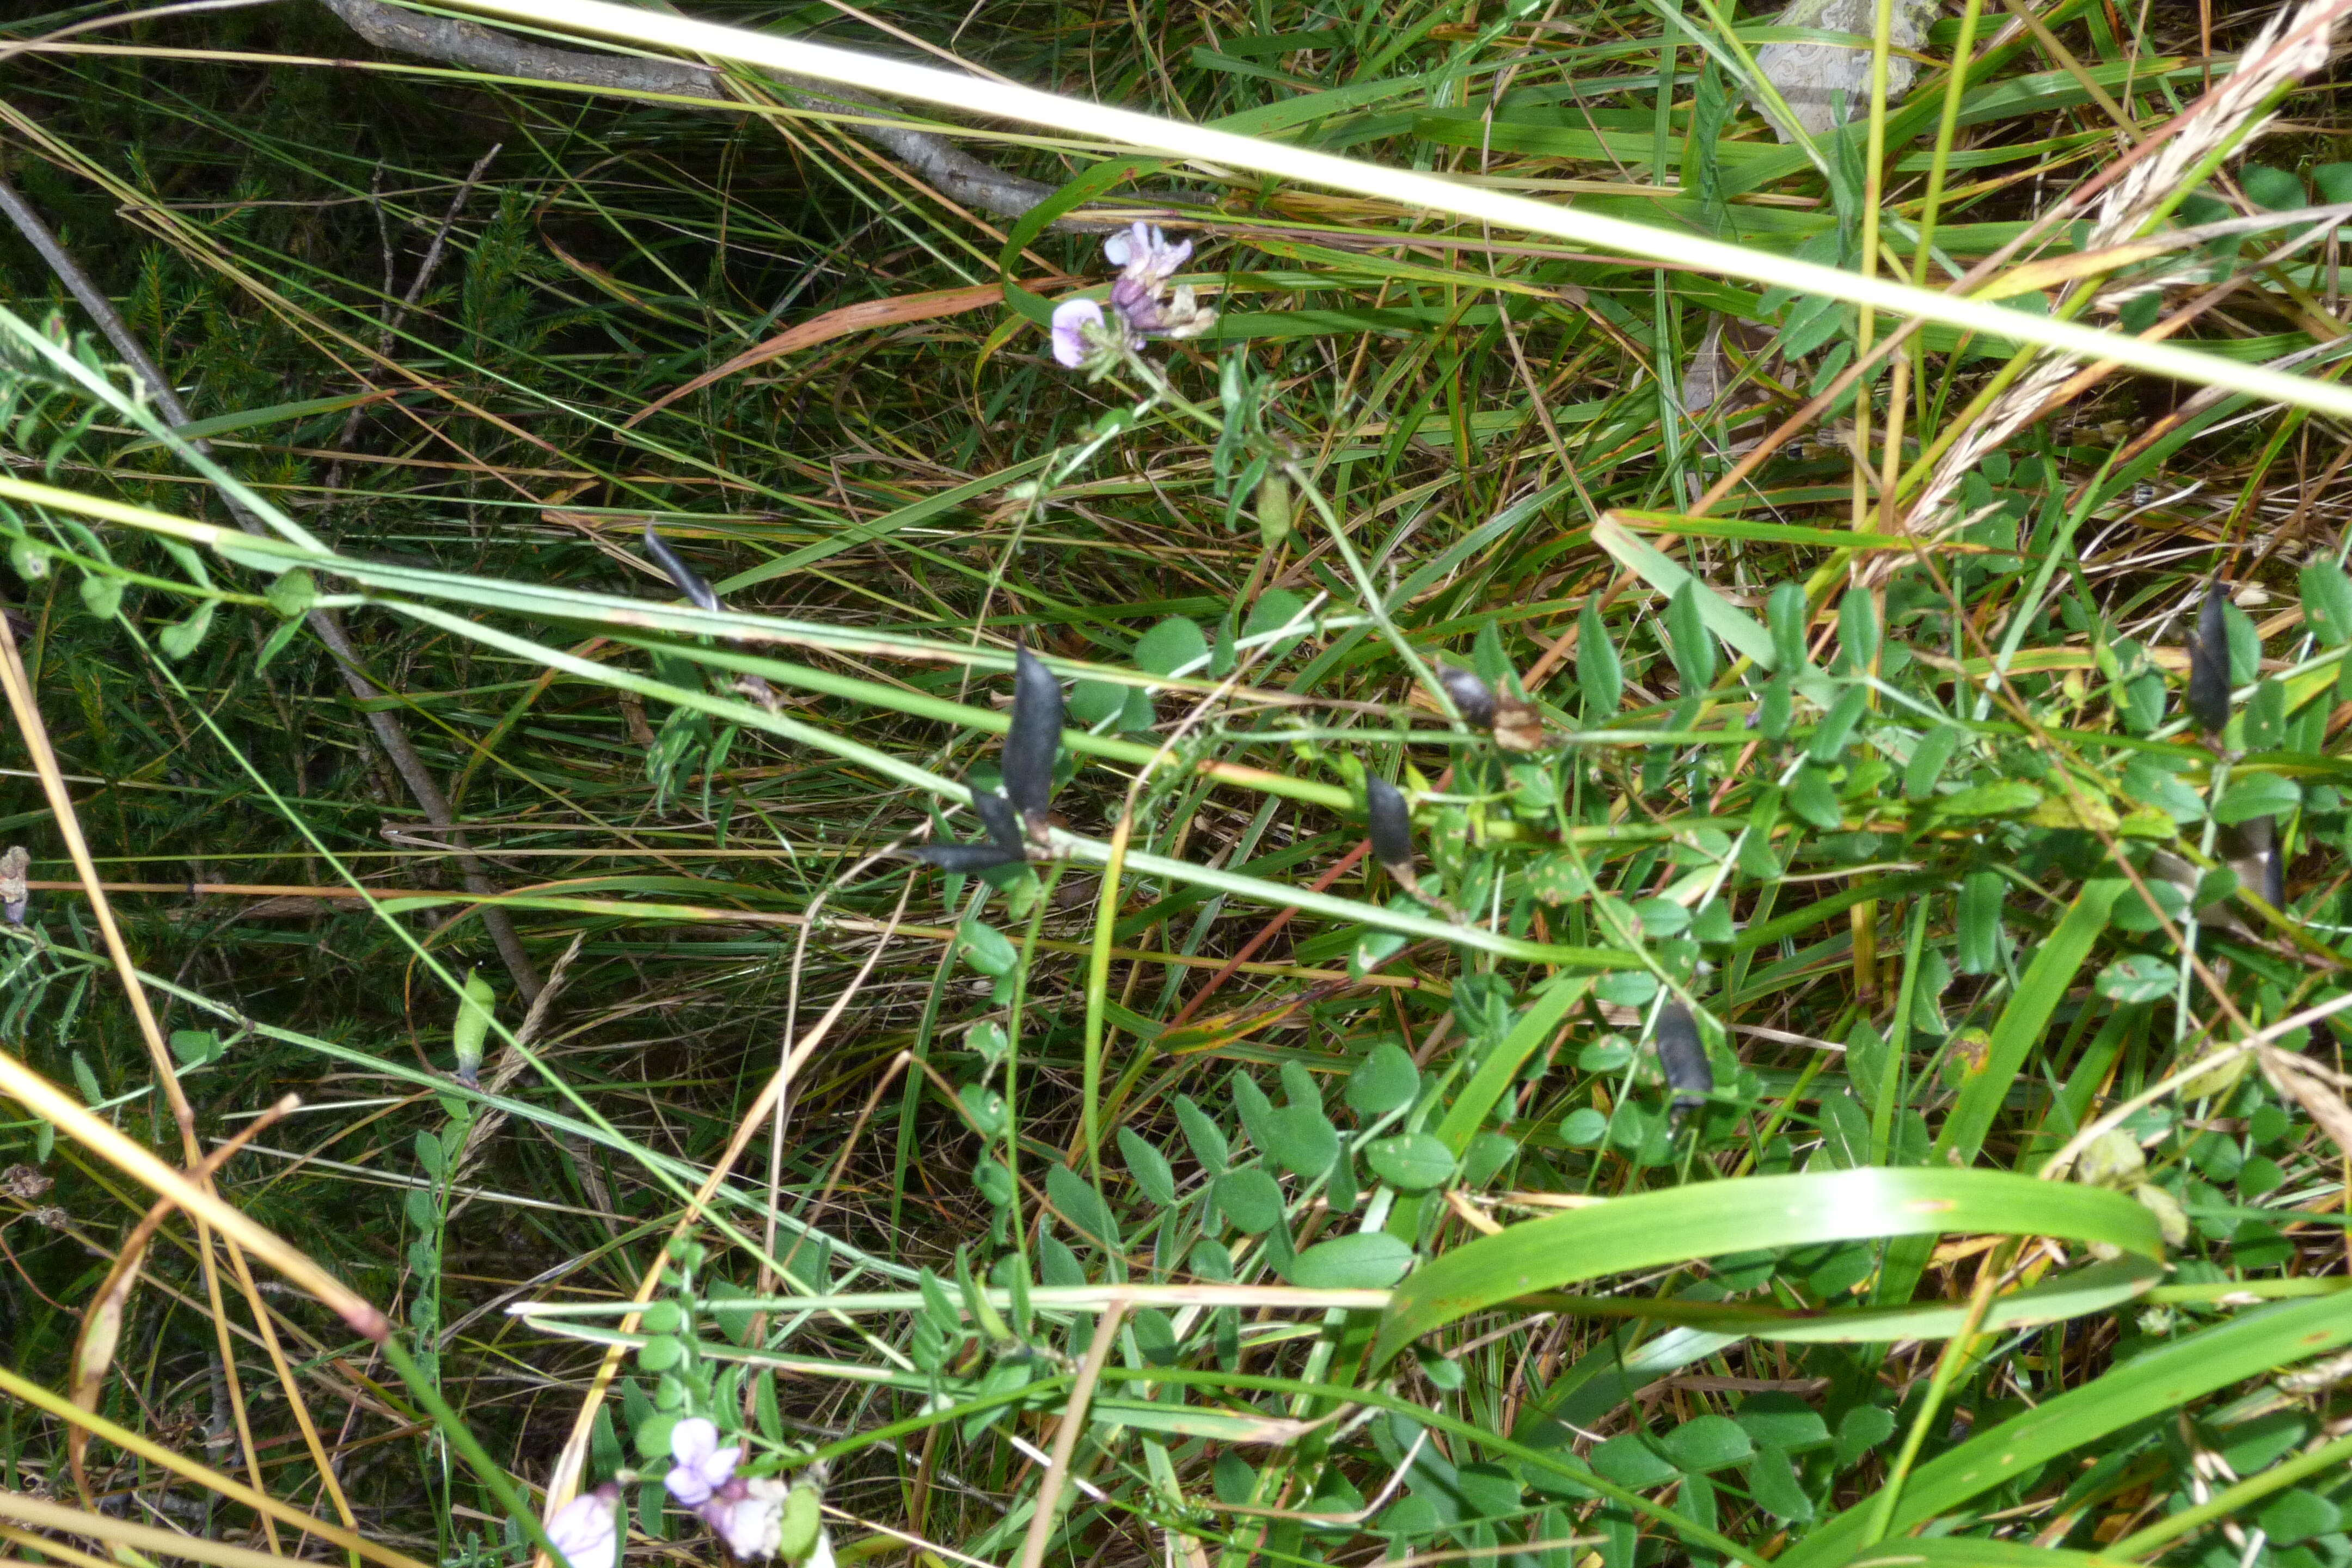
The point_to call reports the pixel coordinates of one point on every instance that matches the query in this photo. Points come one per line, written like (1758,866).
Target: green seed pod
(1273,509)
(801,1522)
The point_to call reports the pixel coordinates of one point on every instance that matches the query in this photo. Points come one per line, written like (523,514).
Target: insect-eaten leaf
(2142,977)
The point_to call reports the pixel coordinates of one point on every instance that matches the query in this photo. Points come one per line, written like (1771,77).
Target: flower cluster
(746,1513)
(1088,336)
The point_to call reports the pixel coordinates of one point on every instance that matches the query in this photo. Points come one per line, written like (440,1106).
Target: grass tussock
(740,833)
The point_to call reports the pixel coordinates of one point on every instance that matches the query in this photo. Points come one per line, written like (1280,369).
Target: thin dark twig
(399,317)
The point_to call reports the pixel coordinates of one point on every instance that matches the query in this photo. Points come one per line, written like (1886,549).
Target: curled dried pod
(697,592)
(1030,744)
(1519,725)
(1682,1057)
(1472,698)
(1392,824)
(2208,697)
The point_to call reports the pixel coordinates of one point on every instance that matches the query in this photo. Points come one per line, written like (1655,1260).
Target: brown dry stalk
(101,1324)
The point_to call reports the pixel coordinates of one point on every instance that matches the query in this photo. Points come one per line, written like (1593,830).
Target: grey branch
(947,168)
(325,624)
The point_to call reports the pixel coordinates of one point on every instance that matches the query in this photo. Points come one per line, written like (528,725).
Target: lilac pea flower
(1121,248)
(748,1515)
(702,1465)
(1071,319)
(586,1529)
(1144,256)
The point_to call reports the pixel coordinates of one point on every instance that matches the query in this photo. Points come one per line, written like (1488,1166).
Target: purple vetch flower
(702,1467)
(1143,255)
(1088,337)
(1079,330)
(587,1528)
(748,1515)
(1146,261)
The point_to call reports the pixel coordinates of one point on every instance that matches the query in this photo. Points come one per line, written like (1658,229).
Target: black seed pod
(996,813)
(2208,697)
(1473,697)
(1391,822)
(1036,736)
(2251,849)
(697,591)
(1682,1057)
(966,857)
